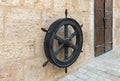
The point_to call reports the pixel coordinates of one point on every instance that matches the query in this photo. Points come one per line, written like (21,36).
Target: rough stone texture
(12,52)
(116,24)
(59,5)
(33,70)
(10,2)
(21,38)
(31,3)
(22,25)
(1,25)
(11,72)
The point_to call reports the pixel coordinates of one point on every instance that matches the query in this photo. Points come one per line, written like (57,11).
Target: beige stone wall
(116,23)
(21,38)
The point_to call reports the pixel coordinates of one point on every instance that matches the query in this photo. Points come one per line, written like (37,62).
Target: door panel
(100,50)
(103,26)
(108,25)
(100,37)
(108,5)
(108,35)
(109,19)
(99,17)
(108,47)
(100,4)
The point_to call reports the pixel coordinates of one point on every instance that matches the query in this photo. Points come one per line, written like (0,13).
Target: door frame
(95,54)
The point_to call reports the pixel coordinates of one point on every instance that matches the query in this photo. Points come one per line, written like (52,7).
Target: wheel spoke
(66,53)
(66,36)
(59,38)
(59,50)
(73,46)
(72,35)
(66,31)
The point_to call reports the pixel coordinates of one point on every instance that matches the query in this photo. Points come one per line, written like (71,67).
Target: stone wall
(21,38)
(116,23)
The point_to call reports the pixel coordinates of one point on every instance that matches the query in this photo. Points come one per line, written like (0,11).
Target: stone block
(116,13)
(11,72)
(22,25)
(114,3)
(91,7)
(84,5)
(10,2)
(1,26)
(117,23)
(39,49)
(117,3)
(31,3)
(13,52)
(34,70)
(59,5)
(48,5)
(73,7)
(49,17)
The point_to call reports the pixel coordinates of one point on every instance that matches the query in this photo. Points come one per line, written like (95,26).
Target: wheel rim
(64,47)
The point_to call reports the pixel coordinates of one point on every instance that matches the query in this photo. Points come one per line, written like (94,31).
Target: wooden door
(103,26)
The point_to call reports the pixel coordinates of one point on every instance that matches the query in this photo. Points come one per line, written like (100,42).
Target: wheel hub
(68,42)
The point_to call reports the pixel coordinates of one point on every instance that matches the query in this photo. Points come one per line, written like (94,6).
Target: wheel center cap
(68,42)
